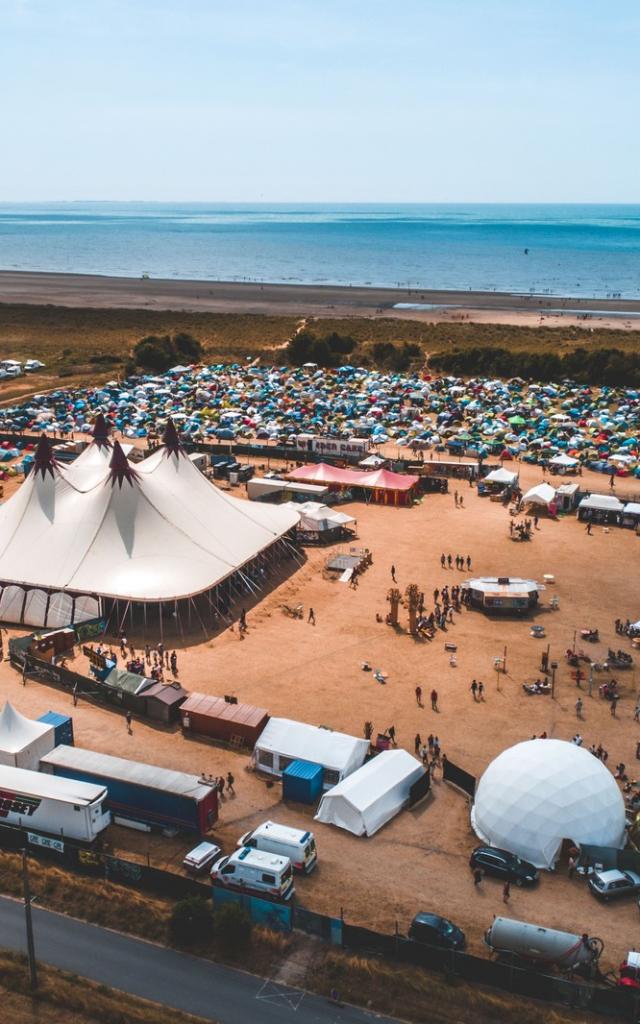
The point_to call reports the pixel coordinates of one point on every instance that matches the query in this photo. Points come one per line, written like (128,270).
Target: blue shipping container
(62,727)
(302,782)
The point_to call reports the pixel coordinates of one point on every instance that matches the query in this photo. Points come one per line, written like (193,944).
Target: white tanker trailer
(545,946)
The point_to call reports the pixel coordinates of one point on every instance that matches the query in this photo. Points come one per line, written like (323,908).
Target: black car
(436,931)
(504,865)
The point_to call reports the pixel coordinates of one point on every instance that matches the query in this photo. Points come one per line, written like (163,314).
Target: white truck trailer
(52,806)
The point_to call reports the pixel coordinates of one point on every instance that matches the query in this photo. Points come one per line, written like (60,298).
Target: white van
(250,870)
(298,846)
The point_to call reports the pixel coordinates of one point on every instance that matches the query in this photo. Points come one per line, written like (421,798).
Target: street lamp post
(31,951)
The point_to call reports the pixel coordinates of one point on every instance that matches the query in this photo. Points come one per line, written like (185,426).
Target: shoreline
(429,306)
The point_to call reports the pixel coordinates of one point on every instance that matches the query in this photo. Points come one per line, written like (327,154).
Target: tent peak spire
(44,460)
(171,440)
(101,431)
(120,468)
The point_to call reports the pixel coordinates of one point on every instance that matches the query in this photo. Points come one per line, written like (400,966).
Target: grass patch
(67,999)
(417,995)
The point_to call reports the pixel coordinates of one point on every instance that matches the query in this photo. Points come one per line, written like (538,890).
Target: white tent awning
(367,799)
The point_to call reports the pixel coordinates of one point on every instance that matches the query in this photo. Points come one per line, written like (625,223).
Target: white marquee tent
(283,740)
(104,529)
(540,792)
(501,476)
(22,741)
(367,799)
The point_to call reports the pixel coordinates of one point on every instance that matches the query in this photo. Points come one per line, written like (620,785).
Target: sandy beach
(96,292)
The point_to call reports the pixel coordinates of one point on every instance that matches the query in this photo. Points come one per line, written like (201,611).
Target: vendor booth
(283,741)
(503,593)
(631,515)
(541,498)
(22,741)
(600,508)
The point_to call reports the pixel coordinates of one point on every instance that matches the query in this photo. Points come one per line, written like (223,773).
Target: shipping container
(51,806)
(302,782)
(62,727)
(220,719)
(140,792)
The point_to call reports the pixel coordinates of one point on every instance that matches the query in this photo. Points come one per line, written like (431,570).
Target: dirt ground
(313,673)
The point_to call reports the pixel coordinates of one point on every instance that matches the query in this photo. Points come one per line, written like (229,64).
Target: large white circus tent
(76,541)
(538,793)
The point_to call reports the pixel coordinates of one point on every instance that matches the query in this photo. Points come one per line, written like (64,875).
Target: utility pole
(554,665)
(31,951)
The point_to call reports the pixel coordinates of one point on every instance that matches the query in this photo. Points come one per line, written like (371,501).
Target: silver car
(608,885)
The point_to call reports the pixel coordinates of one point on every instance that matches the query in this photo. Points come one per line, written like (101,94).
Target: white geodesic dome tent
(537,793)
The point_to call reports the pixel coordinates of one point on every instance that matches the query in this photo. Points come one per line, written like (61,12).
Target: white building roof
(107,767)
(44,786)
(18,732)
(537,793)
(160,531)
(334,750)
(602,502)
(369,797)
(632,508)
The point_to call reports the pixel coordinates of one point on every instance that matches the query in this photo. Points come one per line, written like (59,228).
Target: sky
(320,100)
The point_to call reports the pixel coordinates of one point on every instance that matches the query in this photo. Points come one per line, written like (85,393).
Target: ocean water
(570,250)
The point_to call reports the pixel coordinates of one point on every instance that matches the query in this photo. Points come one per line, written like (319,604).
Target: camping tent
(541,494)
(283,740)
(22,741)
(540,792)
(369,797)
(501,476)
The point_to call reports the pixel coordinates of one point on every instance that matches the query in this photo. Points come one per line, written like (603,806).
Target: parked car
(436,931)
(608,885)
(201,857)
(504,865)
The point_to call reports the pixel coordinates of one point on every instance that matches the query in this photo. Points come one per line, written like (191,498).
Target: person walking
(230,782)
(579,706)
(474,690)
(477,876)
(588,529)
(636,713)
(449,560)
(419,696)
(506,892)
(614,704)
(460,502)
(481,691)
(434,700)
(417,743)
(455,498)
(311,617)
(442,560)
(129,718)
(393,573)
(391,732)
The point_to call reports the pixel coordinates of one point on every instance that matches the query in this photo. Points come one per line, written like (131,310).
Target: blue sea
(569,250)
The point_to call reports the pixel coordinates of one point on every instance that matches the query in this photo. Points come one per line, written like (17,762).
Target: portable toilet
(62,727)
(302,782)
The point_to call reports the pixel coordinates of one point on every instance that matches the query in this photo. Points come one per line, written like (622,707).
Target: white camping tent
(22,741)
(537,793)
(542,494)
(500,476)
(563,462)
(283,740)
(317,518)
(366,800)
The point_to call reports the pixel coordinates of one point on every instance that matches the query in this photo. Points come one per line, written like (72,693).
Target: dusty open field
(419,861)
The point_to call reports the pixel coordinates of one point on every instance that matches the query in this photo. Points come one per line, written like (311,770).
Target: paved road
(174,979)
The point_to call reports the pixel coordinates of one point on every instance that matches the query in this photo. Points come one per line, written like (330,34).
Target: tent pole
(160,618)
(178,619)
(144,620)
(195,607)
